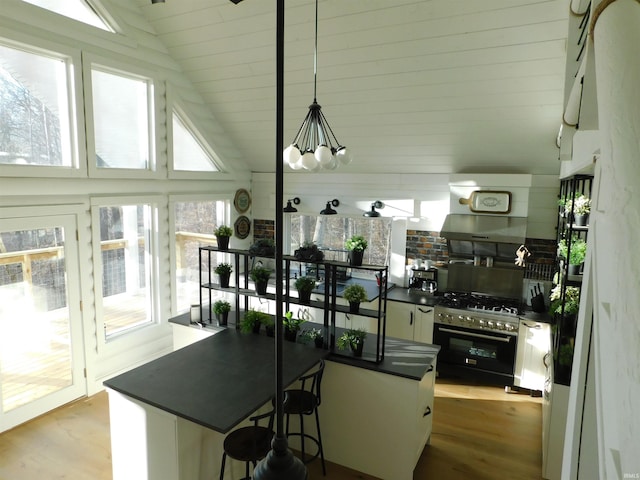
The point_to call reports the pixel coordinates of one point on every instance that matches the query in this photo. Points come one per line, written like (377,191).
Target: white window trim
(173,199)
(72,58)
(187,117)
(154,170)
(139,333)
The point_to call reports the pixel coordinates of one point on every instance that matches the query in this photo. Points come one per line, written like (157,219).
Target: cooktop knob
(500,326)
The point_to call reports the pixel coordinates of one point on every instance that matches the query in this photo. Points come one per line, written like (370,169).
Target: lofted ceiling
(410,86)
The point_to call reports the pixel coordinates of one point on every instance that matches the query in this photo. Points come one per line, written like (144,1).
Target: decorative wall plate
(242,227)
(242,200)
(488,201)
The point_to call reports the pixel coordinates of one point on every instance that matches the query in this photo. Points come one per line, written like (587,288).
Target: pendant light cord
(315,58)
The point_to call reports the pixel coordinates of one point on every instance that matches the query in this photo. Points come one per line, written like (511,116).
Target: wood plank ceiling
(410,86)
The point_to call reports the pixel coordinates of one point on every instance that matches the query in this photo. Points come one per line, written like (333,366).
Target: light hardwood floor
(479,433)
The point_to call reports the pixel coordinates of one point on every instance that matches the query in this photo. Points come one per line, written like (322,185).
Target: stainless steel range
(478,336)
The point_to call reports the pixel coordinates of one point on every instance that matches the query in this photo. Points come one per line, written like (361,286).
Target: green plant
(223,231)
(221,306)
(311,334)
(291,323)
(576,253)
(355,293)
(268,321)
(351,338)
(223,269)
(571,300)
(251,320)
(580,204)
(260,274)
(357,243)
(309,251)
(565,354)
(305,284)
(262,247)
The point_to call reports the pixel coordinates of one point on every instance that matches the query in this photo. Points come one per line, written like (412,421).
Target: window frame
(174,103)
(154,277)
(75,107)
(173,199)
(153,170)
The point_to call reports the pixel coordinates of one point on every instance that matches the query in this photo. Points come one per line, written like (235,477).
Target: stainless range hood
(485,228)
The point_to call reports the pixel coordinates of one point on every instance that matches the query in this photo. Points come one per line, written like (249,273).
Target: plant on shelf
(223,233)
(356,246)
(221,309)
(305,286)
(581,205)
(263,247)
(260,275)
(308,252)
(269,325)
(291,326)
(224,271)
(571,301)
(354,294)
(313,334)
(252,321)
(575,253)
(352,338)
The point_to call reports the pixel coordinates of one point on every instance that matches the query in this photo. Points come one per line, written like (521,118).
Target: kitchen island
(169,417)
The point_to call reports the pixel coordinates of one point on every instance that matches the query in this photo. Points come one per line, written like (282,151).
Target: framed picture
(488,201)
(242,227)
(242,201)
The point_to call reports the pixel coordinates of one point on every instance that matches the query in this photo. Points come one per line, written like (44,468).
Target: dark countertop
(400,294)
(371,287)
(218,381)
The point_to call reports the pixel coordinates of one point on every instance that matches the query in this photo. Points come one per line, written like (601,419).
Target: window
(188,152)
(125,260)
(122,125)
(330,232)
(76,9)
(34,109)
(195,222)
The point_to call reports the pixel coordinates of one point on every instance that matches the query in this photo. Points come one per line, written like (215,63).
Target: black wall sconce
(290,208)
(372,212)
(328,210)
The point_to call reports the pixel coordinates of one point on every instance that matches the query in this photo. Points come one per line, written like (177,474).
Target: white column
(616,37)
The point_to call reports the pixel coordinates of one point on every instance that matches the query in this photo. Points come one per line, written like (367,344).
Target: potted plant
(356,246)
(223,233)
(571,301)
(221,309)
(354,294)
(574,253)
(291,326)
(263,247)
(580,207)
(352,338)
(305,286)
(252,321)
(315,335)
(223,270)
(309,252)
(260,276)
(269,325)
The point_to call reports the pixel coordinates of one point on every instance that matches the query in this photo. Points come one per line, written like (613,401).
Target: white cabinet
(184,335)
(410,321)
(534,344)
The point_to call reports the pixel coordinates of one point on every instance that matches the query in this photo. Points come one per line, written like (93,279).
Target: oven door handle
(477,335)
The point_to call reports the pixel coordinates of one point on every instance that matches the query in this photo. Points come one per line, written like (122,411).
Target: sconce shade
(328,210)
(373,212)
(290,208)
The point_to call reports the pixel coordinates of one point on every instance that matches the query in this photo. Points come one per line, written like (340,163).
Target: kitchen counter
(405,295)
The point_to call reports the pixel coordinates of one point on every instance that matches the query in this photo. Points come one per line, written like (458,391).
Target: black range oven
(476,341)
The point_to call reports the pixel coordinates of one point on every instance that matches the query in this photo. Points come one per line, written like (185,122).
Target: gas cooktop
(481,302)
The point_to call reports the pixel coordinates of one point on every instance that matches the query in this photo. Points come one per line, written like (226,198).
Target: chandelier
(315,146)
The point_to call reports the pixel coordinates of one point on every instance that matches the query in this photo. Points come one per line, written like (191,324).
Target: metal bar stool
(249,444)
(305,401)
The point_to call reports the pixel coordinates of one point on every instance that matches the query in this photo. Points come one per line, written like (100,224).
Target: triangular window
(79,10)
(189,153)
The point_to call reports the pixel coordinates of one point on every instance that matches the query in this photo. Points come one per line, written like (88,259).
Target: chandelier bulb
(323,155)
(333,163)
(344,155)
(309,161)
(291,154)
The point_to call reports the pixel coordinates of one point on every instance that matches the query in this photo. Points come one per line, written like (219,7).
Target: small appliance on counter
(423,280)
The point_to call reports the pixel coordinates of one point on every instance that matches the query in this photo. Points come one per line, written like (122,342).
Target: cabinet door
(400,320)
(423,331)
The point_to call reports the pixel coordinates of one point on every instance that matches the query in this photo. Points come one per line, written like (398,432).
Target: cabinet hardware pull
(425,311)
(430,369)
(410,318)
(427,412)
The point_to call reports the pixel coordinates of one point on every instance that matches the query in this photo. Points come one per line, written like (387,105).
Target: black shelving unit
(565,325)
(333,275)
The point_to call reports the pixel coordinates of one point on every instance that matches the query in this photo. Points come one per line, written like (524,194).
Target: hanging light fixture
(290,208)
(315,146)
(328,210)
(373,212)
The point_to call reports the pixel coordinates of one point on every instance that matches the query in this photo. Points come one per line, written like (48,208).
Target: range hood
(485,228)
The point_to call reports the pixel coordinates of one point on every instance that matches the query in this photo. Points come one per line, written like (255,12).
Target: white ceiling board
(409,86)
